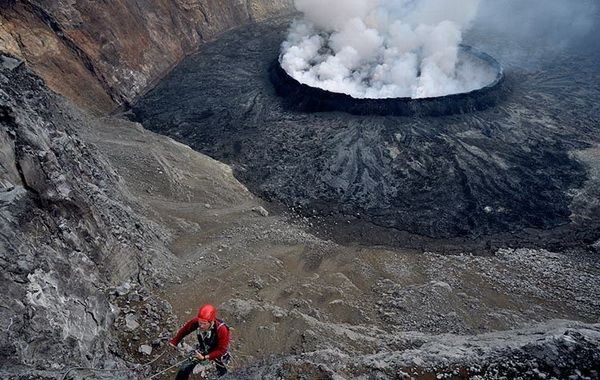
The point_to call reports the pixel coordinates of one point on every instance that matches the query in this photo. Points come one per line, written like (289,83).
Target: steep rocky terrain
(68,232)
(111,235)
(92,212)
(104,54)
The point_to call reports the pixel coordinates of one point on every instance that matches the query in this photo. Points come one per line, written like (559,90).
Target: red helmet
(207,313)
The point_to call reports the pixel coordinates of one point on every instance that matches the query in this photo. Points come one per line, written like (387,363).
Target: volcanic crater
(507,162)
(305,98)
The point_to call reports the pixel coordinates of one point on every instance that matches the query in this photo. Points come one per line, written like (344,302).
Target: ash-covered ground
(522,172)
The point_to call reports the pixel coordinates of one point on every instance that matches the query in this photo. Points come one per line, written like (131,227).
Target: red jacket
(219,329)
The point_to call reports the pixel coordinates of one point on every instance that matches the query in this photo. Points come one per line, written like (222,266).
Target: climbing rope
(119,369)
(128,369)
(166,369)
(156,358)
(204,363)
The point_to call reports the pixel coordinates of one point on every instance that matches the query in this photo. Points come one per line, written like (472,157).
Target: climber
(213,341)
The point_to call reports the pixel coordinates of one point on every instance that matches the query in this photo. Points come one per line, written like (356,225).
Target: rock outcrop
(68,231)
(104,54)
(557,349)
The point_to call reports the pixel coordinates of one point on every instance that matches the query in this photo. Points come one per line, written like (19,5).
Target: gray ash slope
(509,168)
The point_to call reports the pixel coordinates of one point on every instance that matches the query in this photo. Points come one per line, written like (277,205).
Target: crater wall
(103,54)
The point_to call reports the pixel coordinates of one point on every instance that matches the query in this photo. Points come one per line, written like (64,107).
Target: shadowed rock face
(301,97)
(503,169)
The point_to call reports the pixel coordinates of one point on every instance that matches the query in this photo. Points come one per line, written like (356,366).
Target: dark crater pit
(301,97)
(505,172)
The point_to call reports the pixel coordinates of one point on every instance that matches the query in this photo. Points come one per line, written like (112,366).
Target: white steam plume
(383,48)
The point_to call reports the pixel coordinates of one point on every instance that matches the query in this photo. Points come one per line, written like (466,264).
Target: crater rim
(301,97)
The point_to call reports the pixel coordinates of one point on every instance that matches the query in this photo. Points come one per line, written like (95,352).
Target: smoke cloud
(550,23)
(533,31)
(384,48)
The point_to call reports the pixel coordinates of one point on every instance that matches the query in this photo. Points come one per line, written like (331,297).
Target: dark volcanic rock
(66,234)
(504,169)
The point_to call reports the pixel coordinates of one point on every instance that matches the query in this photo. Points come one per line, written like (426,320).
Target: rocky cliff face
(103,54)
(69,229)
(67,233)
